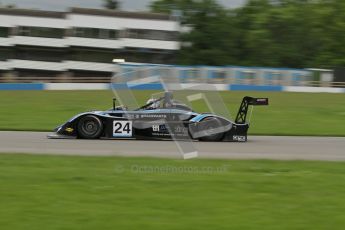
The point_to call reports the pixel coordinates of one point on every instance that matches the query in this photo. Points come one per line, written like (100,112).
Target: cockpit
(164,101)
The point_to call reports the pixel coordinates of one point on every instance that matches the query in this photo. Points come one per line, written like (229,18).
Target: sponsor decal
(69,129)
(159,128)
(180,129)
(239,138)
(129,116)
(155,128)
(153,115)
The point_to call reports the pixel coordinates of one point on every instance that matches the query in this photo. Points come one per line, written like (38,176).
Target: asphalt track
(257,147)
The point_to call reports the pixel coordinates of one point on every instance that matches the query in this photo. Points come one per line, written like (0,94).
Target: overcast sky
(62,5)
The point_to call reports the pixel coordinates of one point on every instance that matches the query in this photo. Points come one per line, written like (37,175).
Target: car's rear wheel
(90,127)
(209,124)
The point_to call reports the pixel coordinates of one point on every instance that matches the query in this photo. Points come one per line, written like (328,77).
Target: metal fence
(236,75)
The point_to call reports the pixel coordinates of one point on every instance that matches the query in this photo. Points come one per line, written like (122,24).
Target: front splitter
(58,136)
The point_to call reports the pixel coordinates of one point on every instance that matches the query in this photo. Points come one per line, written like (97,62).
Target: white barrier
(303,89)
(76,86)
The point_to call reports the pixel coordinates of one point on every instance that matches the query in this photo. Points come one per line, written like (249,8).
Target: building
(79,45)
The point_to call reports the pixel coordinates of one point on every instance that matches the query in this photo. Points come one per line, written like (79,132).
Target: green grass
(288,113)
(59,192)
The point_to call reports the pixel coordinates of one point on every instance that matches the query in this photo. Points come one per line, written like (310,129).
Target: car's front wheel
(90,127)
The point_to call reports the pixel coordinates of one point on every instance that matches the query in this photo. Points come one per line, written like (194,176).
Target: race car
(160,118)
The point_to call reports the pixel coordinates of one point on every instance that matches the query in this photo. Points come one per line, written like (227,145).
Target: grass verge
(65,192)
(288,114)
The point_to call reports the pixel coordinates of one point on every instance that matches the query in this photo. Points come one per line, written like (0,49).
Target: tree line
(276,33)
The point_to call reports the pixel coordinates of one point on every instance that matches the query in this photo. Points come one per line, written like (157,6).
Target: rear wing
(243,110)
(257,101)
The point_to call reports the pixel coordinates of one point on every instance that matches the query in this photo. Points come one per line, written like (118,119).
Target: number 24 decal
(122,128)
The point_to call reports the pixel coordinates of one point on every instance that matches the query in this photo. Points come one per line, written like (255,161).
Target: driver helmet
(154,105)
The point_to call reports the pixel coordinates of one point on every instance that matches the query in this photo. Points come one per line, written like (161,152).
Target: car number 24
(122,128)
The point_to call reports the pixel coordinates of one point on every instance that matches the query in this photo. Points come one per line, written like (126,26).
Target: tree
(277,33)
(11,6)
(211,37)
(111,4)
(168,6)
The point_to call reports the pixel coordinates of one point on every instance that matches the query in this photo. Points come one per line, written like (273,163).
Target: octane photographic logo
(162,77)
(172,169)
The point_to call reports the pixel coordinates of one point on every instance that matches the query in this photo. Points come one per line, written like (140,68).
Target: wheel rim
(90,127)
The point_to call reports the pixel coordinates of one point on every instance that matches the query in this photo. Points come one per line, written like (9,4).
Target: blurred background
(255,42)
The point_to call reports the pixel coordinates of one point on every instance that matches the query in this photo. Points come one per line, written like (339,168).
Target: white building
(79,45)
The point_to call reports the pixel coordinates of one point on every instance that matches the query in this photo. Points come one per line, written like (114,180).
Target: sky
(63,5)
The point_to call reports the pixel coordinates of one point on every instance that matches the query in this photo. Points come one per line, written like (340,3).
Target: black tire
(90,127)
(212,122)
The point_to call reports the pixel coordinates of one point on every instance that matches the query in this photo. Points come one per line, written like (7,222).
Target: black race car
(161,118)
